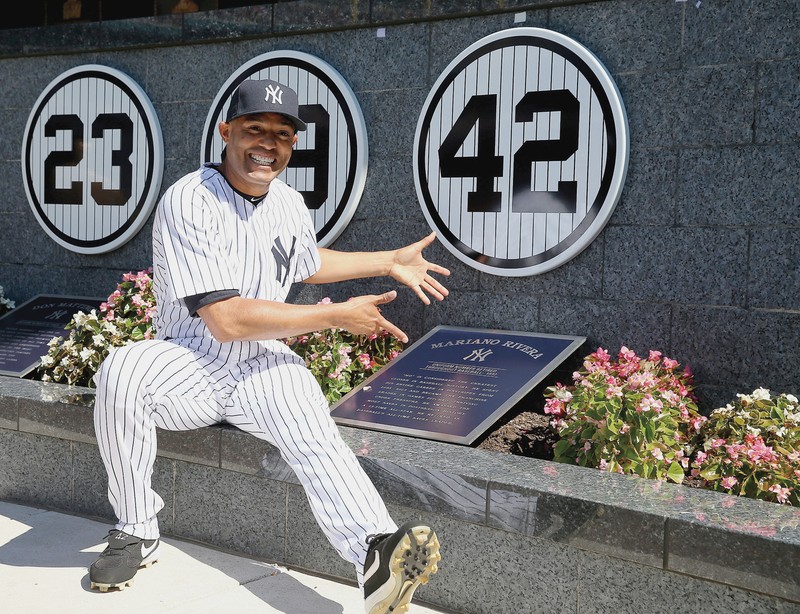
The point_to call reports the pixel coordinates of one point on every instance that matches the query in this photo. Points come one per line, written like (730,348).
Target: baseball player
(229,239)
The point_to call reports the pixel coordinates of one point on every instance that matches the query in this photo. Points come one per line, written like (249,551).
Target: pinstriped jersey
(208,237)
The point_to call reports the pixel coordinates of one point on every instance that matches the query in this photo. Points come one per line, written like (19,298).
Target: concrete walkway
(45,557)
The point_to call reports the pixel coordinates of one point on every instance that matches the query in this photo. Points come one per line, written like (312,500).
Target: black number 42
(485,166)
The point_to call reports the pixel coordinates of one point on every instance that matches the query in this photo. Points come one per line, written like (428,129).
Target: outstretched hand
(411,269)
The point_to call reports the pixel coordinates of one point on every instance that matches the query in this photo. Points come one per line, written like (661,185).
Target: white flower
(563,394)
(98,340)
(791,398)
(54,341)
(47,361)
(761,394)
(68,344)
(79,318)
(753,431)
(86,354)
(779,431)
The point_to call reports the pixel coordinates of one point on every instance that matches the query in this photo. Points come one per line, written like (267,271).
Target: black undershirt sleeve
(196,301)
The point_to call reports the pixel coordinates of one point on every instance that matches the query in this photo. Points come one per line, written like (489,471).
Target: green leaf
(561,450)
(675,473)
(711,473)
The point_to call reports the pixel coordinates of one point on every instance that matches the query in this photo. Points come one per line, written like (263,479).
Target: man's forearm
(341,266)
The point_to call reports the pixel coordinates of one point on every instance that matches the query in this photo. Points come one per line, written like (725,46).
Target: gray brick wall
(701,258)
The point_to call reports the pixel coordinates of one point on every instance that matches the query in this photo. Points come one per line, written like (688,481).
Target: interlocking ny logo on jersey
(275,93)
(282,259)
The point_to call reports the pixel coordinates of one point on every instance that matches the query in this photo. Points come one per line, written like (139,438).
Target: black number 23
(120,158)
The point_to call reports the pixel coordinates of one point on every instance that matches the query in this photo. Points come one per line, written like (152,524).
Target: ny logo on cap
(275,92)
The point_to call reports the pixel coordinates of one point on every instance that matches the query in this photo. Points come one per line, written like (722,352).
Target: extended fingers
(392,329)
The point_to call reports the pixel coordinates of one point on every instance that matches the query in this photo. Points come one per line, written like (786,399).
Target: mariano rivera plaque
(521,152)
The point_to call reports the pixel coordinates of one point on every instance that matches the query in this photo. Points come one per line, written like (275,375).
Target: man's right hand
(362,315)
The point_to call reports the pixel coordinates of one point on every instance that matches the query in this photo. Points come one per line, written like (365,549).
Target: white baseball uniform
(207,237)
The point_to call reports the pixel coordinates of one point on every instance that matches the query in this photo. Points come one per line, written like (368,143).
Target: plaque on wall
(454,383)
(26,330)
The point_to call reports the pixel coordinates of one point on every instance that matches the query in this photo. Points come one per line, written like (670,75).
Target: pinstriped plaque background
(82,96)
(316,83)
(507,66)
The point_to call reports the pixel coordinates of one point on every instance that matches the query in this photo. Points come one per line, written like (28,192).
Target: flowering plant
(341,360)
(124,318)
(633,415)
(751,447)
(6,305)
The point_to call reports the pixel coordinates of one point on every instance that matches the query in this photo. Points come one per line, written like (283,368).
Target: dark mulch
(526,434)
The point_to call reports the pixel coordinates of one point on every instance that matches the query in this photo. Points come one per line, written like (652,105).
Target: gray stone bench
(519,535)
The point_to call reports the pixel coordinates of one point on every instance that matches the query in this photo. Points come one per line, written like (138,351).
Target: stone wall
(519,535)
(699,260)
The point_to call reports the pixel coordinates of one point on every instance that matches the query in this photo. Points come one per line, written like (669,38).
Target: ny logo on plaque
(454,383)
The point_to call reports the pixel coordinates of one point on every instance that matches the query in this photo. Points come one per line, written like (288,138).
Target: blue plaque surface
(26,330)
(454,383)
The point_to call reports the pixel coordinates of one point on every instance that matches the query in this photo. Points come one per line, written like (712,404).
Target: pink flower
(700,457)
(698,422)
(365,360)
(325,301)
(601,355)
(657,454)
(654,356)
(554,406)
(669,363)
(729,482)
(782,494)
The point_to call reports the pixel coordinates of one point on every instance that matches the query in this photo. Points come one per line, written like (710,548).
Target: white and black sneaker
(121,559)
(397,563)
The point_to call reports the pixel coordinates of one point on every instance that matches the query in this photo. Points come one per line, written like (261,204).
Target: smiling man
(229,239)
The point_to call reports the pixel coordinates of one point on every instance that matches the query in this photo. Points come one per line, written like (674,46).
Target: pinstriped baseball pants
(175,386)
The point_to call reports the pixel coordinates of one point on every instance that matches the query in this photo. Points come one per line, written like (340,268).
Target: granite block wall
(699,259)
(519,535)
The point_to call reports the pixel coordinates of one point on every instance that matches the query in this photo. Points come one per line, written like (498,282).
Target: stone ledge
(749,547)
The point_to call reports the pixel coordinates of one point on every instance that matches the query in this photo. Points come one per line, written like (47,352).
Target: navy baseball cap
(265,96)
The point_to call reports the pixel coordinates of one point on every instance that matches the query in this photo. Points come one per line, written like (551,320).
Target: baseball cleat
(122,558)
(396,564)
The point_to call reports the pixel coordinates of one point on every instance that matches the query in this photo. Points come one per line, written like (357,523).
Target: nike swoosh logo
(373,568)
(148,551)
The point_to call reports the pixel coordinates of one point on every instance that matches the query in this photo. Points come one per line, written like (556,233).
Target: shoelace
(374,540)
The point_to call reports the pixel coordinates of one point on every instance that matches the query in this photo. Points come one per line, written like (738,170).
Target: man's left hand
(412,270)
